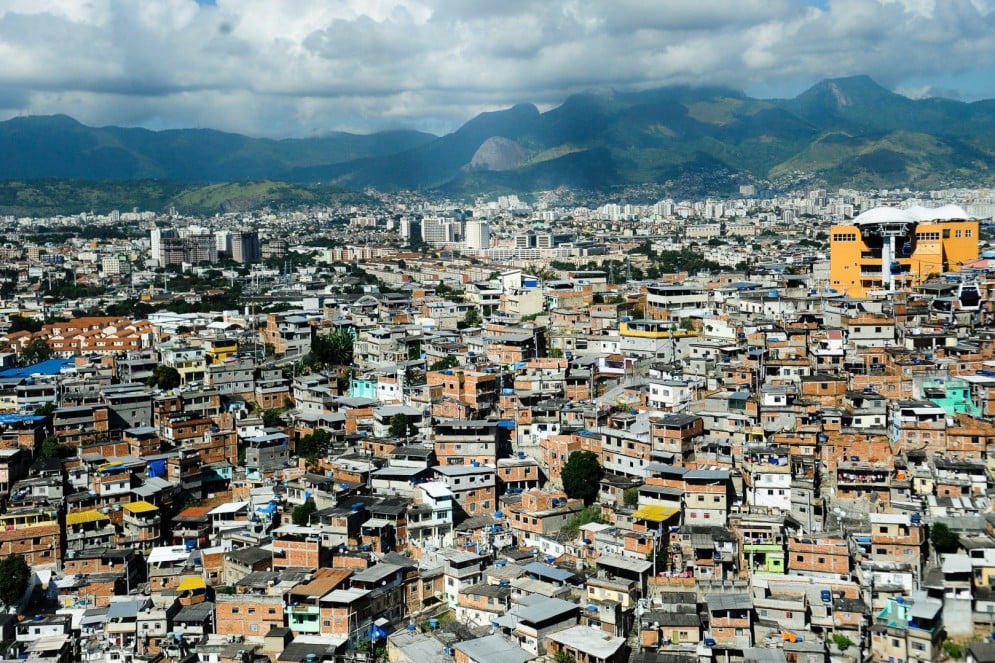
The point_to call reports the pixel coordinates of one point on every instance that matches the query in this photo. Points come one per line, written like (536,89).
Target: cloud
(299,67)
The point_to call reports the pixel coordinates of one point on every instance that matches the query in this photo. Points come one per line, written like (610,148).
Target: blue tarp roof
(47,367)
(18,418)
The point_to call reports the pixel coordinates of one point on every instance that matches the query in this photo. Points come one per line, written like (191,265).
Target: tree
(472,318)
(301,515)
(272,418)
(944,539)
(841,641)
(401,425)
(449,361)
(36,351)
(563,656)
(46,409)
(165,377)
(581,476)
(631,497)
(24,323)
(555,353)
(15,574)
(314,445)
(335,349)
(589,514)
(51,448)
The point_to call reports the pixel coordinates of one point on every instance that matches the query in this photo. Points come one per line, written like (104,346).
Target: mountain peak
(58,120)
(509,122)
(849,90)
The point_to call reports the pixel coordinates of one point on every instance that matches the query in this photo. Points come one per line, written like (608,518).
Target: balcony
(850,479)
(79,539)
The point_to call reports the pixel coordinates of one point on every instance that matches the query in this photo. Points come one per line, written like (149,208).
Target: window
(235,610)
(252,611)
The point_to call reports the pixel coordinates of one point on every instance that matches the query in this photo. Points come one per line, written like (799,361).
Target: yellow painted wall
(939,247)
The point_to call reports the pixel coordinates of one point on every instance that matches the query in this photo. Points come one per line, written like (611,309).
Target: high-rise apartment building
(245,246)
(887,248)
(158,234)
(409,228)
(439,231)
(172,249)
(478,234)
(202,247)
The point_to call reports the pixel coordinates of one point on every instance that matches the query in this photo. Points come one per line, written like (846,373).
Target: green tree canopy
(24,323)
(449,361)
(36,351)
(301,515)
(272,418)
(841,641)
(401,425)
(46,409)
(51,448)
(472,318)
(15,574)
(589,514)
(944,539)
(581,476)
(335,349)
(165,377)
(315,445)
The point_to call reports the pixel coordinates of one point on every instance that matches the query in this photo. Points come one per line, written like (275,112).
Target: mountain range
(847,131)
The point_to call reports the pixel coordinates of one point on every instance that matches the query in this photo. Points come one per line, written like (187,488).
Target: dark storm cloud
(300,66)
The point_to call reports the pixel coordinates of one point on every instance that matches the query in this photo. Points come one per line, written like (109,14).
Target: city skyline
(308,68)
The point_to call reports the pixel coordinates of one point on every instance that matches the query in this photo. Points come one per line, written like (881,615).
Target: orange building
(249,615)
(32,534)
(887,248)
(826,557)
(97,335)
(465,394)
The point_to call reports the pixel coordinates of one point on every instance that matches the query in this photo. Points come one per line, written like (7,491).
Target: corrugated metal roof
(140,506)
(80,517)
(655,513)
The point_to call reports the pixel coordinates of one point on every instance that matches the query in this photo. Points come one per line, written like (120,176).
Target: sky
(297,68)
